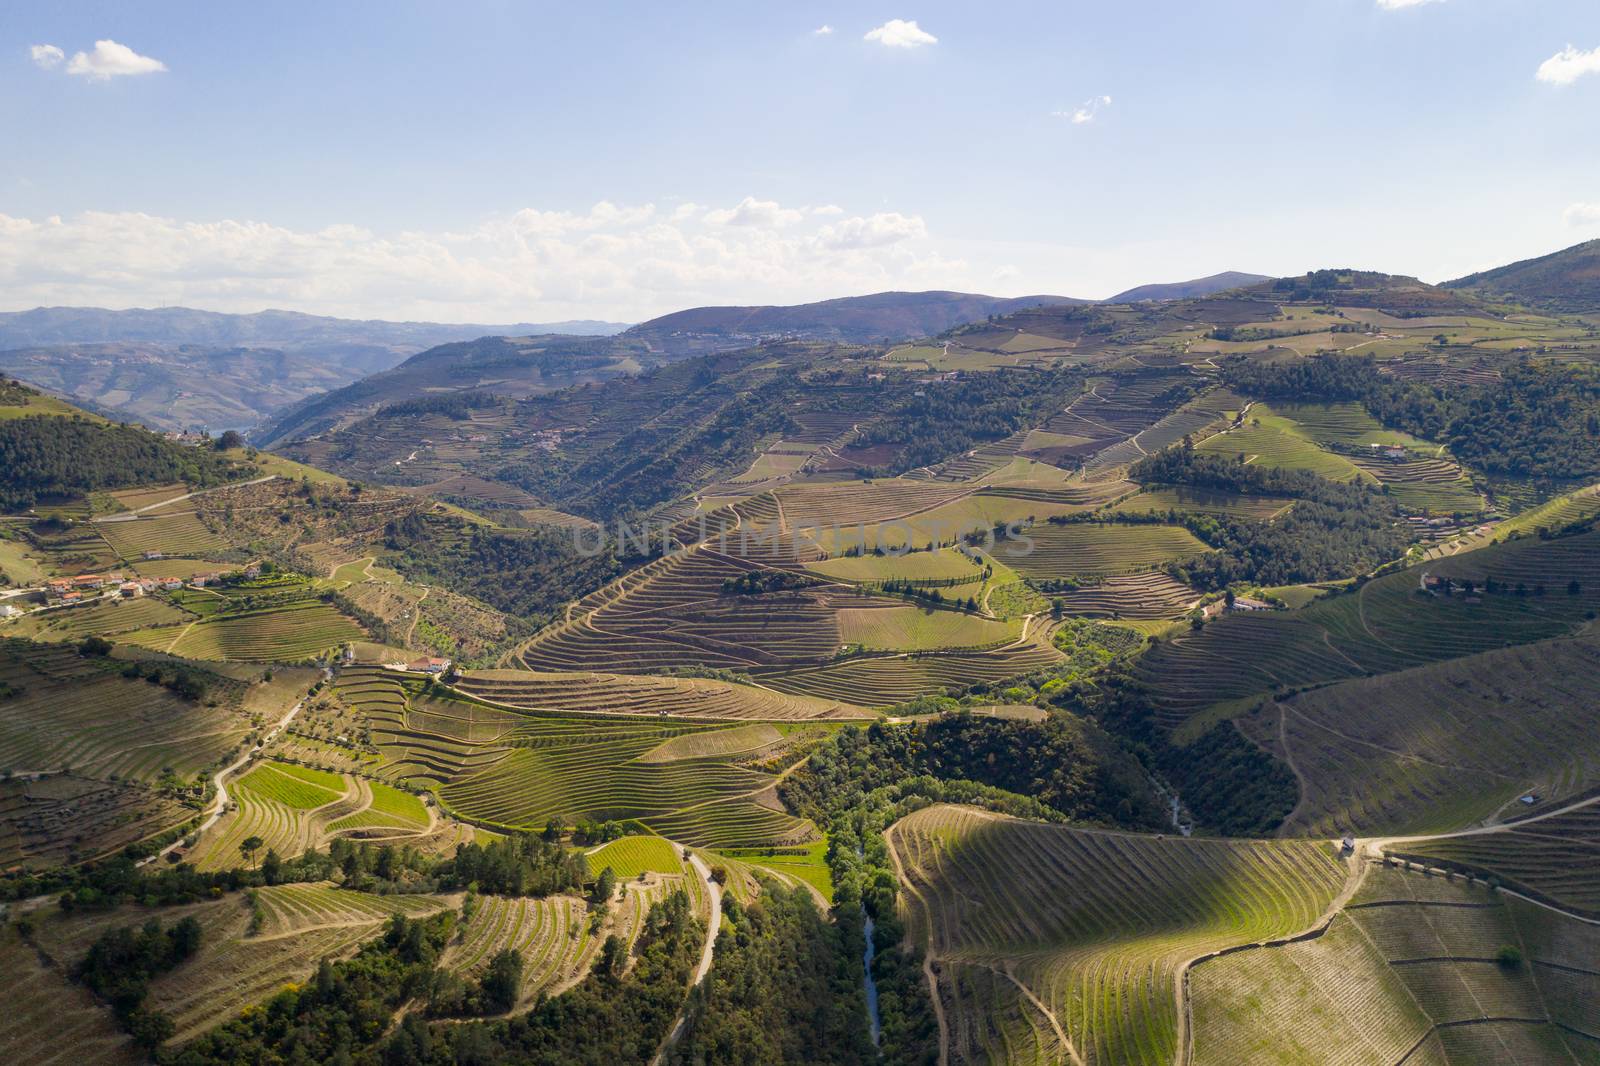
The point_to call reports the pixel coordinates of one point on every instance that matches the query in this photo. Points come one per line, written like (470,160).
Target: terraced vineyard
(551,934)
(1055,943)
(1555,859)
(77,712)
(42,1001)
(293,808)
(182,535)
(292,633)
(697,698)
(1425,484)
(1092,549)
(1274,442)
(634,855)
(882,681)
(1415,959)
(1439,747)
(1387,624)
(921,629)
(1137,596)
(104,618)
(234,968)
(576,769)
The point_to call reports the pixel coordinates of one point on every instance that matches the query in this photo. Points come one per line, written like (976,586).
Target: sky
(495,161)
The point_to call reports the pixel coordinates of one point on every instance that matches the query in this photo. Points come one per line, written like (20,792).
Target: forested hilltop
(1194,680)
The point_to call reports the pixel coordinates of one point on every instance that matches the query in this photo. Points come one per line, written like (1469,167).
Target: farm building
(131,589)
(431,664)
(7,611)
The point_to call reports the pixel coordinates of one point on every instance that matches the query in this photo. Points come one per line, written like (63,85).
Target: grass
(921,629)
(630,856)
(1096,926)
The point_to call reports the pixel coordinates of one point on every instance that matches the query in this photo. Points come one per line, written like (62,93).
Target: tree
(230,440)
(249,846)
(606,886)
(502,982)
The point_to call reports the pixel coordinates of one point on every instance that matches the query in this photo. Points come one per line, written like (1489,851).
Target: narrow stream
(872,986)
(873,1018)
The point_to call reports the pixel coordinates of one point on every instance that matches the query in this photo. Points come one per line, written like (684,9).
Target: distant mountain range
(287,330)
(287,374)
(178,368)
(1567,281)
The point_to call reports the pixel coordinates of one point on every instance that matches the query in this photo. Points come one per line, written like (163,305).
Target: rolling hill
(1566,281)
(854,319)
(1183,290)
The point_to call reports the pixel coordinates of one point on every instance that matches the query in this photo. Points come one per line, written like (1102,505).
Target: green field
(1270,440)
(938,566)
(1094,549)
(921,629)
(630,856)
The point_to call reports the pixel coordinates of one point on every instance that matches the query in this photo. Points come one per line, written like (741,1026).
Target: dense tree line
(1228,784)
(784,988)
(1063,762)
(947,419)
(528,573)
(1541,419)
(119,966)
(454,405)
(44,456)
(1332,531)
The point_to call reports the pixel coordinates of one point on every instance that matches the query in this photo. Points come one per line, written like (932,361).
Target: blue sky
(479,161)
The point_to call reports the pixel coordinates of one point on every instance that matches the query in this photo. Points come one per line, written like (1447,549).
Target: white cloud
(1582,215)
(1084,112)
(615,261)
(753,212)
(112,60)
(1396,5)
(827,209)
(899,33)
(873,231)
(46,55)
(822,30)
(1568,65)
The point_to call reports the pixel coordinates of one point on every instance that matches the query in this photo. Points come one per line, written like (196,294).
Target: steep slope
(1565,281)
(1185,290)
